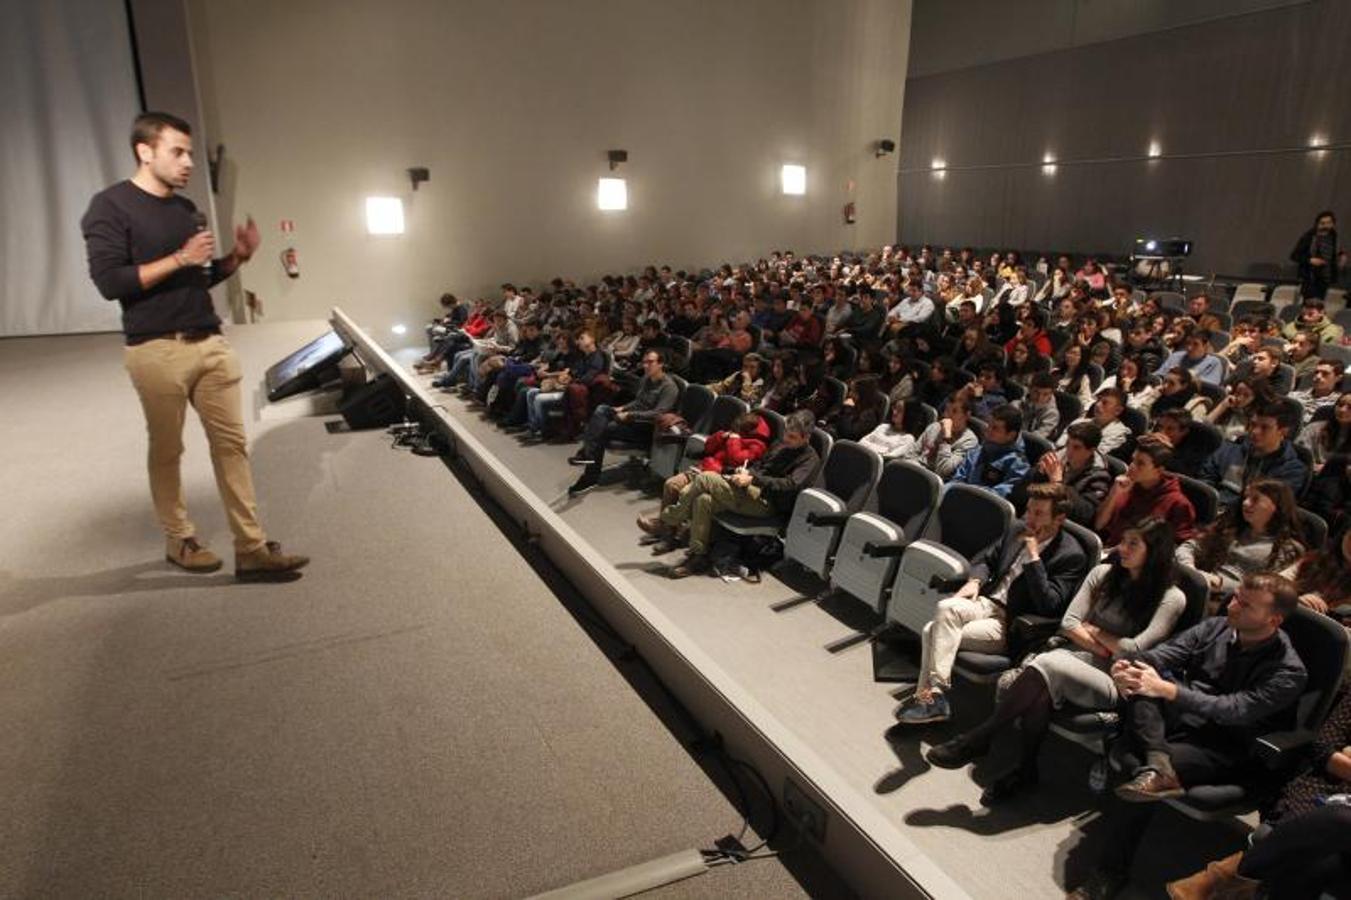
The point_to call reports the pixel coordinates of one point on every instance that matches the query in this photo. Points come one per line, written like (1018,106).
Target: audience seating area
(886,421)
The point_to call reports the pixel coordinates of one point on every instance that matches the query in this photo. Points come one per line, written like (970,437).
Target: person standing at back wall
(149,249)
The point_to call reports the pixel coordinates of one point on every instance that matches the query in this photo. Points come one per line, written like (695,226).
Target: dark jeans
(1199,755)
(603,429)
(1304,855)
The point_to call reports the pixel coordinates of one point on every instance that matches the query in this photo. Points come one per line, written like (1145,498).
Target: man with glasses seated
(657,393)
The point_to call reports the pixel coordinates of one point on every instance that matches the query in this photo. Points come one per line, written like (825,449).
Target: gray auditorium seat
(667,449)
(871,545)
(969,519)
(1205,499)
(820,513)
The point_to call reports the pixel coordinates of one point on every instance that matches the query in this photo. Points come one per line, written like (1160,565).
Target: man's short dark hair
(1043,380)
(147,127)
(1086,433)
(1115,392)
(1157,448)
(1055,494)
(1008,415)
(800,422)
(1199,334)
(1278,411)
(1180,416)
(1314,303)
(1284,594)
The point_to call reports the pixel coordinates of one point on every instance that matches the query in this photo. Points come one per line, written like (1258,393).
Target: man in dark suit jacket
(1036,570)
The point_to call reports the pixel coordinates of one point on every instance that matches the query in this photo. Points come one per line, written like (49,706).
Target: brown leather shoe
(268,563)
(1149,786)
(1204,883)
(188,553)
(654,525)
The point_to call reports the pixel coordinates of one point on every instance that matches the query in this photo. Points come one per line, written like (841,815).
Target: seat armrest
(884,550)
(1281,749)
(1032,628)
(820,518)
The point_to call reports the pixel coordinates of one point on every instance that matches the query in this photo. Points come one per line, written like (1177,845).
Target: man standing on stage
(149,249)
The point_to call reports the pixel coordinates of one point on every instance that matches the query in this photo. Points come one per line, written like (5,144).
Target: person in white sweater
(890,439)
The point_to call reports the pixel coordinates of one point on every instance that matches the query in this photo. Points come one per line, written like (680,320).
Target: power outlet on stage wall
(803,811)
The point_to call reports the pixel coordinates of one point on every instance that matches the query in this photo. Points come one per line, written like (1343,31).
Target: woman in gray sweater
(1125,605)
(1262,536)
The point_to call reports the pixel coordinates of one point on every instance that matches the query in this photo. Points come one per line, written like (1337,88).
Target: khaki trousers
(959,623)
(169,374)
(706,496)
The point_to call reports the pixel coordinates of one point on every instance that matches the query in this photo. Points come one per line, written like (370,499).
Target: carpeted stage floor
(419,716)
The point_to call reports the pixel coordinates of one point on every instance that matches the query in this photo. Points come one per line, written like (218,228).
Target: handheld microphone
(199,219)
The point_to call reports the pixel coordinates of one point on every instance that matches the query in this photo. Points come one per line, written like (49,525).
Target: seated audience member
(587,376)
(1072,376)
(687,323)
(913,312)
(1190,450)
(861,411)
(1144,345)
(1323,575)
(1330,436)
(1146,490)
(747,383)
(1302,353)
(1313,319)
(1041,416)
(497,339)
(837,359)
(1000,461)
(1261,536)
(1127,604)
(1264,364)
(744,442)
(1179,390)
(1136,387)
(944,445)
(1227,680)
(1264,452)
(897,380)
(1026,363)
(940,384)
(1322,392)
(766,487)
(865,324)
(1196,358)
(1300,849)
(501,371)
(973,349)
(549,369)
(1242,396)
(657,393)
(1106,414)
(623,344)
(784,372)
(1078,465)
(1032,332)
(890,439)
(838,315)
(1034,570)
(986,390)
(803,330)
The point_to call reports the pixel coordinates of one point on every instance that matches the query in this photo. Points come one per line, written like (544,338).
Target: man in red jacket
(1147,489)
